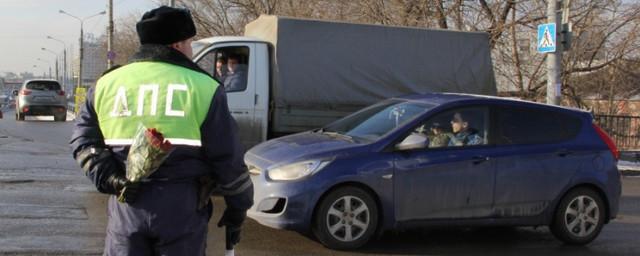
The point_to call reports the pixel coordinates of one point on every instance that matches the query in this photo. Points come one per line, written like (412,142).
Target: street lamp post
(48,63)
(64,60)
(81,40)
(56,55)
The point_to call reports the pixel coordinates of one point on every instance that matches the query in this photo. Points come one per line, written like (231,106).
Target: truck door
(233,64)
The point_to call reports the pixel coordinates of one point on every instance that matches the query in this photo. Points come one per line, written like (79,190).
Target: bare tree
(605,35)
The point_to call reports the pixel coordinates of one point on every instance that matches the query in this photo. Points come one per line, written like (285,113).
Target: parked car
(4,99)
(41,97)
(439,159)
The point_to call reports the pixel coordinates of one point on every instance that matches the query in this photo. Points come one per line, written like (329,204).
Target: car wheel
(346,218)
(579,217)
(19,116)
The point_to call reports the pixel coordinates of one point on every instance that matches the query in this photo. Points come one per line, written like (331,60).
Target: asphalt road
(48,207)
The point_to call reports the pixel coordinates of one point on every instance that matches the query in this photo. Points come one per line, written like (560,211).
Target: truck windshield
(378,120)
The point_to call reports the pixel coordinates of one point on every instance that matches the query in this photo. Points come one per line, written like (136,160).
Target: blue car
(439,160)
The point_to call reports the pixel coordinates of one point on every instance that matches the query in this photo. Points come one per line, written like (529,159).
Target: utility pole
(56,56)
(110,35)
(57,76)
(172,3)
(64,61)
(81,40)
(554,59)
(81,55)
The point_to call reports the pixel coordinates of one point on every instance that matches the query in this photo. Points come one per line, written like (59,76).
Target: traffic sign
(547,37)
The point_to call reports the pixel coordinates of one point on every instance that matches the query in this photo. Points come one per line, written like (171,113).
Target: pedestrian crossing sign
(547,37)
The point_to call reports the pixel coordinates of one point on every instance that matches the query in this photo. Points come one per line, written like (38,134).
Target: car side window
(457,128)
(518,126)
(229,65)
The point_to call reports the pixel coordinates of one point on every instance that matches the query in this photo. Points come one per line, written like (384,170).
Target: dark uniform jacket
(219,157)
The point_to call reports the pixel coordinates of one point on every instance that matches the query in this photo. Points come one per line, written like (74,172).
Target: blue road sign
(546,37)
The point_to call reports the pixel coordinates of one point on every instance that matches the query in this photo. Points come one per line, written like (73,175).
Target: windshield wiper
(338,135)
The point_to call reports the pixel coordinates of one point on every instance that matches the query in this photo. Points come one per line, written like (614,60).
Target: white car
(4,100)
(41,97)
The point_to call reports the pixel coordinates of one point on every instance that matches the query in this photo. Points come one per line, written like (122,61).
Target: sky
(25,25)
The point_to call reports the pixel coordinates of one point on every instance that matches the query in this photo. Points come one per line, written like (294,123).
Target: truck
(291,75)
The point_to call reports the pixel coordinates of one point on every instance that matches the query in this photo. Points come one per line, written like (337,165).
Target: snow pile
(628,165)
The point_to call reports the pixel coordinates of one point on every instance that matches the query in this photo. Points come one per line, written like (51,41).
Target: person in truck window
(236,79)
(221,68)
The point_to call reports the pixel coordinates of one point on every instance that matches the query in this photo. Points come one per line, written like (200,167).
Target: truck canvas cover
(320,64)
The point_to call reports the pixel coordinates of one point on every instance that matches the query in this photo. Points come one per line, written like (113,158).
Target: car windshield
(43,85)
(376,121)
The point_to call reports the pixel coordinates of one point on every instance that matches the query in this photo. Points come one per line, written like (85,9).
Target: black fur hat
(165,25)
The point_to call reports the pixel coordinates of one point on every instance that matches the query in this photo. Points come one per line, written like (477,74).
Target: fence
(624,130)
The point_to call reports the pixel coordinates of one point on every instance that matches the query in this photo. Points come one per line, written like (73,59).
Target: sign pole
(110,34)
(554,59)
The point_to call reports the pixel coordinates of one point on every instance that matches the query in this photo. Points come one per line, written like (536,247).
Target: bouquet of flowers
(147,152)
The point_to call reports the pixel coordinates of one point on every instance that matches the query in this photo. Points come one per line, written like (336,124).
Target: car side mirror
(413,141)
(15,92)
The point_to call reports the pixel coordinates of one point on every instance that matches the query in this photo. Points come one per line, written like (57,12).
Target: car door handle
(563,152)
(479,159)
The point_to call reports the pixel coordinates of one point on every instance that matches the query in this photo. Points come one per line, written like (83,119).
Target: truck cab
(241,65)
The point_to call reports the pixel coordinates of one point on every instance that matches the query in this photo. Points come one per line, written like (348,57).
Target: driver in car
(463,134)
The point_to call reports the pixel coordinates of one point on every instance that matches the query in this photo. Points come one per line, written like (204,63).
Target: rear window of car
(43,85)
(535,126)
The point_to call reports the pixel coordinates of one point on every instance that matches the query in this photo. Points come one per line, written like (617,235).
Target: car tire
(346,218)
(579,217)
(19,116)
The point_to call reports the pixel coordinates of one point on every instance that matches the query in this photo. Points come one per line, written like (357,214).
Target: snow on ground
(628,165)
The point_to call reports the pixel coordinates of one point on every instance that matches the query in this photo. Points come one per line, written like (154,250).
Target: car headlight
(296,170)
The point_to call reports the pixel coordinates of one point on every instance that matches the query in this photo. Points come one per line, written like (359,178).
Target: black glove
(102,168)
(232,220)
(126,190)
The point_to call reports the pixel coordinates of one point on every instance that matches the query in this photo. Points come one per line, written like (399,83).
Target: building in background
(94,61)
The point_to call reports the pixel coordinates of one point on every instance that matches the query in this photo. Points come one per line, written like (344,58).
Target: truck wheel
(579,217)
(346,218)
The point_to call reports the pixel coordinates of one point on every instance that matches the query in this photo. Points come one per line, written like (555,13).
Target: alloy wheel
(348,218)
(582,216)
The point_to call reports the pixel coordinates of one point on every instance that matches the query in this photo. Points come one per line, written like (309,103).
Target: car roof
(452,98)
(36,80)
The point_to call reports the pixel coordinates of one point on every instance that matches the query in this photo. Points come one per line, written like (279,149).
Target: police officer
(162,88)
